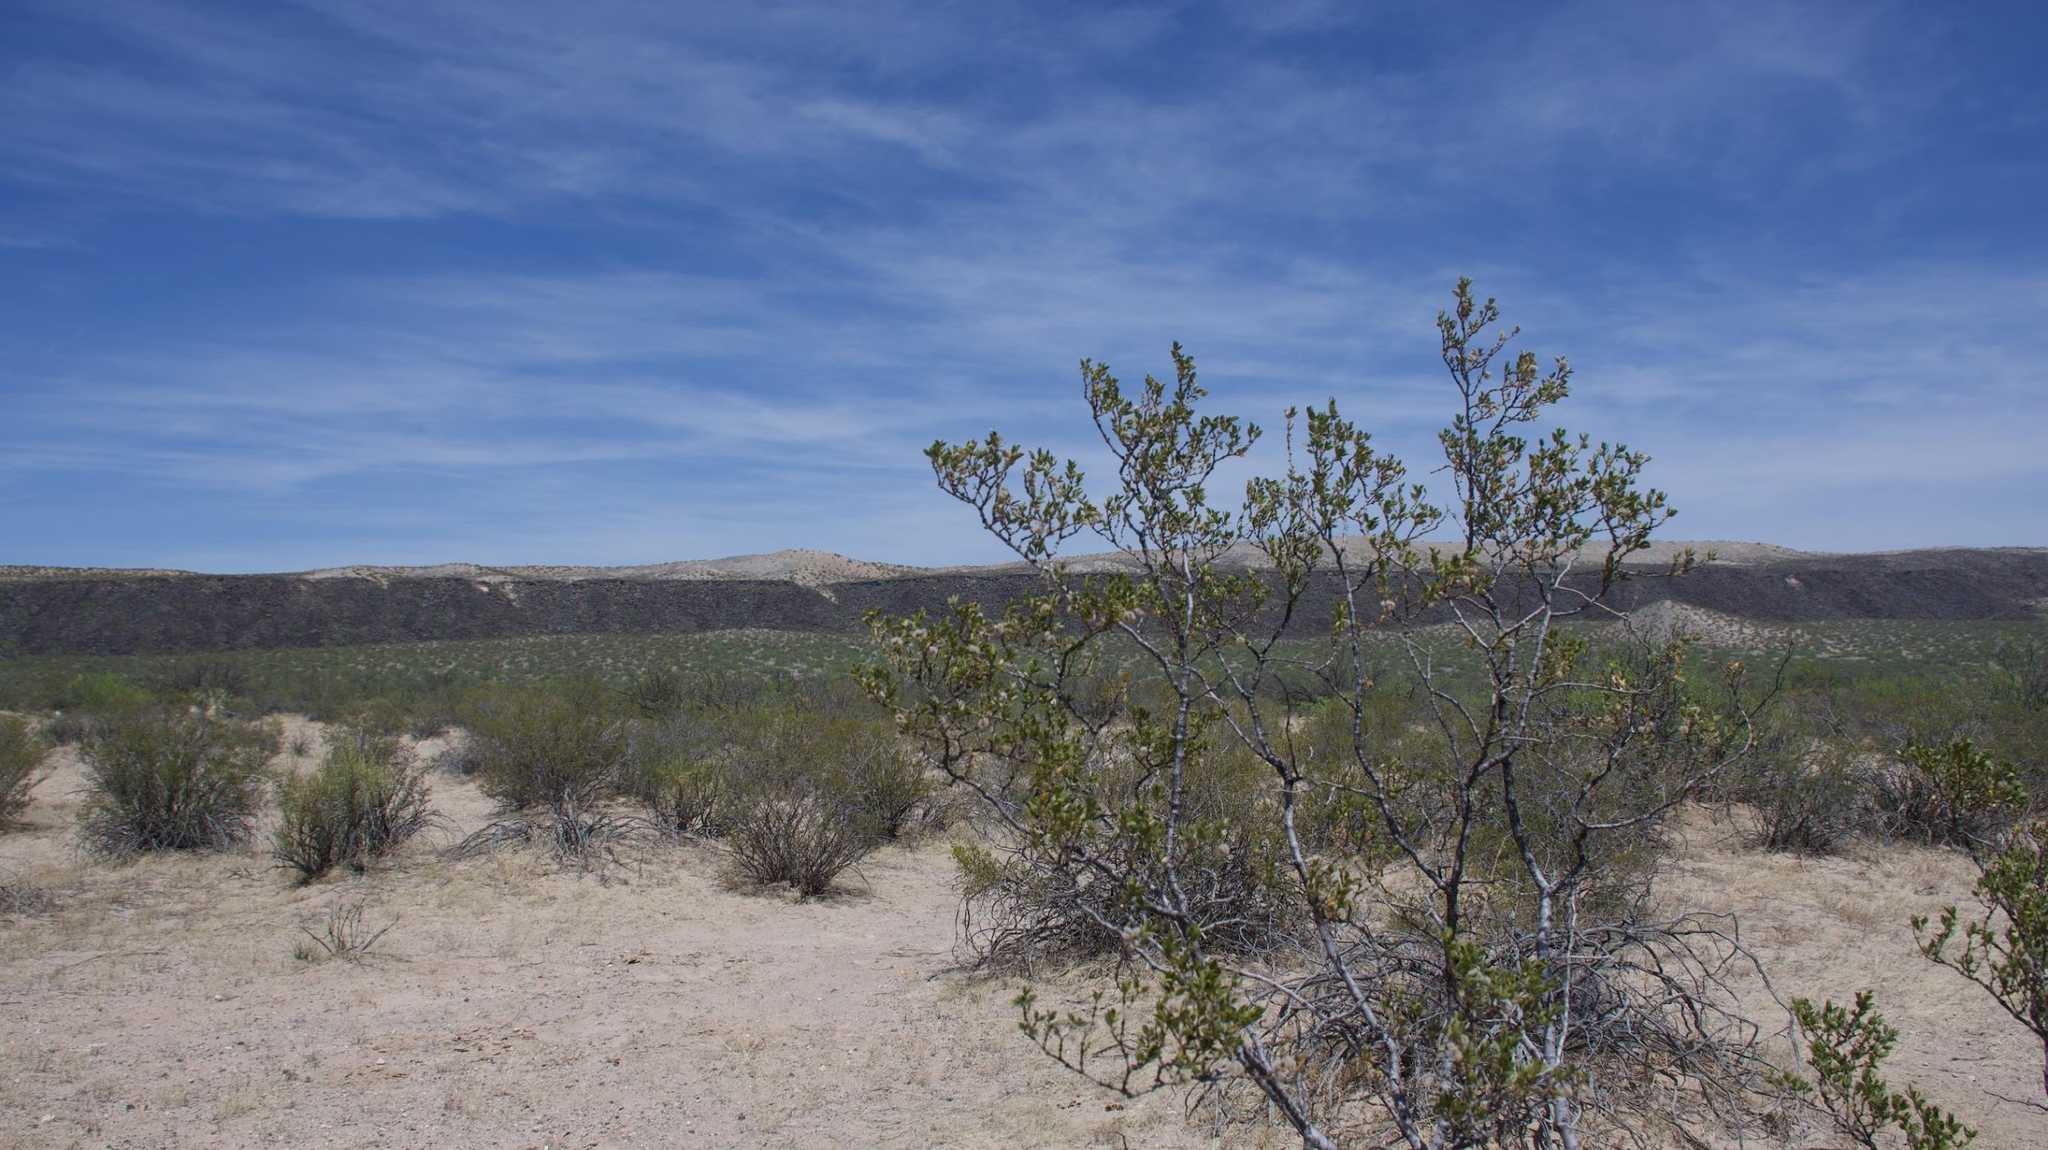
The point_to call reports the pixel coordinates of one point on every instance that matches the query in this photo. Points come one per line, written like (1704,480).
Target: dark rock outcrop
(114,613)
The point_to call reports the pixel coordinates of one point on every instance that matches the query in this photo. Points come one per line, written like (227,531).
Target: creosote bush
(810,795)
(2003,947)
(21,757)
(1804,788)
(1477,960)
(1951,795)
(798,832)
(678,772)
(172,780)
(1014,915)
(370,795)
(547,746)
(1846,1048)
(556,756)
(86,701)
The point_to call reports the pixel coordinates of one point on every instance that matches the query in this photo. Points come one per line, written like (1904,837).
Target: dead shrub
(21,898)
(169,780)
(368,797)
(341,936)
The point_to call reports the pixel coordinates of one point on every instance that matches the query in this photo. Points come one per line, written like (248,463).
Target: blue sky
(286,285)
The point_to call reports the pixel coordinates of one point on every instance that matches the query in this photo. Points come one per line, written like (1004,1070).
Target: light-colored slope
(797,565)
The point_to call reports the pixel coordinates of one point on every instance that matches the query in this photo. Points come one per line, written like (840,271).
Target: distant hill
(46,610)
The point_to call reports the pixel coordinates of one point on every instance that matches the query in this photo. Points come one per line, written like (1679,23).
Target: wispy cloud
(368,280)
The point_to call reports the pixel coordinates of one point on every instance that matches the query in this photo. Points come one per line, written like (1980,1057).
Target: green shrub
(884,787)
(101,692)
(206,677)
(167,780)
(1846,1049)
(659,694)
(1953,795)
(86,700)
(563,749)
(547,745)
(368,797)
(676,772)
(1812,809)
(811,792)
(21,753)
(2005,949)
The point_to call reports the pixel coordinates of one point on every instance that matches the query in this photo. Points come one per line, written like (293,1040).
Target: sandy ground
(1829,927)
(514,1005)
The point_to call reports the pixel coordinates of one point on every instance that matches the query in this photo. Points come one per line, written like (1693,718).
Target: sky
(297,284)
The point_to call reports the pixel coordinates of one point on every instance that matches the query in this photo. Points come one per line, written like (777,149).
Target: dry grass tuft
(342,936)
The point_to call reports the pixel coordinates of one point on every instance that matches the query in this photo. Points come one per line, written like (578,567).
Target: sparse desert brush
(102,692)
(657,694)
(797,831)
(1951,795)
(2003,946)
(172,780)
(86,700)
(19,898)
(677,773)
(368,797)
(885,786)
(21,757)
(547,745)
(810,795)
(1805,789)
(205,677)
(562,750)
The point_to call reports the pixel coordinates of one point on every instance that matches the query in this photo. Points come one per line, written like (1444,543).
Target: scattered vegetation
(172,780)
(796,832)
(420,688)
(559,753)
(1390,886)
(677,774)
(21,757)
(1954,795)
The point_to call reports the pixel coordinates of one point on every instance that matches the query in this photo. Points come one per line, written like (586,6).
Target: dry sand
(515,1005)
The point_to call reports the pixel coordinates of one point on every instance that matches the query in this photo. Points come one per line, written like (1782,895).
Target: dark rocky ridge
(103,613)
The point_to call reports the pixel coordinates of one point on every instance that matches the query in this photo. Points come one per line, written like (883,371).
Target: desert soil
(512,1004)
